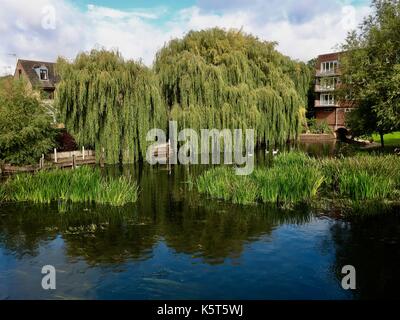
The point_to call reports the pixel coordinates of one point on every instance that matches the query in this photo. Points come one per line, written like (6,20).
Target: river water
(176,244)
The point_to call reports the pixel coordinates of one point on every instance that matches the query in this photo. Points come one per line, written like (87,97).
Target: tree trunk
(382,139)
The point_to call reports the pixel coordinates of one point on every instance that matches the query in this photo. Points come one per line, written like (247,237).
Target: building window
(43,74)
(329,83)
(19,73)
(329,66)
(327,99)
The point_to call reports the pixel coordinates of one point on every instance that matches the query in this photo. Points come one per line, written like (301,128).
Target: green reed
(296,177)
(364,177)
(289,181)
(84,184)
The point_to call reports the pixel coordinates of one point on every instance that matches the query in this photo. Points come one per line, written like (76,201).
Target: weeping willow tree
(228,79)
(107,102)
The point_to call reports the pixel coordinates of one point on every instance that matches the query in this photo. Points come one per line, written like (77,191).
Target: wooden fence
(70,159)
(73,159)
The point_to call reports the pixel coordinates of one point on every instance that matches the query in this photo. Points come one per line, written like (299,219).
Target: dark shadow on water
(371,244)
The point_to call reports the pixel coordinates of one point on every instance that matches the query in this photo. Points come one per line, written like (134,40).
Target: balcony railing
(324,73)
(325,104)
(319,88)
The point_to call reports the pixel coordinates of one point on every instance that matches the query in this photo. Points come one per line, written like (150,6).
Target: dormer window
(43,74)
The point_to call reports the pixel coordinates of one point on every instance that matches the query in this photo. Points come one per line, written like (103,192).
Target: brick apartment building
(328,108)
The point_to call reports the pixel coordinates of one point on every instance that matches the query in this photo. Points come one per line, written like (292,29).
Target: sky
(46,29)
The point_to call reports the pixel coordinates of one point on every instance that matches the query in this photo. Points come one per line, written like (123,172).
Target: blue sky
(45,29)
(177,4)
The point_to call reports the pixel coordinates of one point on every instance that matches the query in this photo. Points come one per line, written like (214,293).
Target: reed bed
(295,178)
(84,185)
(363,177)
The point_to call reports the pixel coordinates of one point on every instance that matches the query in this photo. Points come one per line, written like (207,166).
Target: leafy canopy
(371,68)
(107,102)
(209,79)
(25,127)
(228,79)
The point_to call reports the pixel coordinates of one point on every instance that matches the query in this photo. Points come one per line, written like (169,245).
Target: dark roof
(29,68)
(330,56)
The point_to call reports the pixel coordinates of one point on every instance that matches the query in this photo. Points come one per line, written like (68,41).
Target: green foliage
(84,184)
(107,102)
(318,127)
(295,178)
(311,64)
(289,159)
(391,139)
(222,183)
(292,179)
(372,171)
(361,185)
(228,79)
(25,127)
(371,69)
(288,185)
(2,192)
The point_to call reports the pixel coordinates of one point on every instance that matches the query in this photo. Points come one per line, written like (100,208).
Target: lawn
(392,139)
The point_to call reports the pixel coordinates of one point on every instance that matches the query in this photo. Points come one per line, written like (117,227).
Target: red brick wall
(330,117)
(327,57)
(327,116)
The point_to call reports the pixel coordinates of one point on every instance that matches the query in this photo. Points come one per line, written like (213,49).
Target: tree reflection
(370,243)
(168,210)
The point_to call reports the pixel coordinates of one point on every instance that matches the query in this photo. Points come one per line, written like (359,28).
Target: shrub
(25,127)
(316,127)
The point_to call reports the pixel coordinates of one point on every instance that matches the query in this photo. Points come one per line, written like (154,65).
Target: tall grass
(364,186)
(84,184)
(295,177)
(2,192)
(222,183)
(289,181)
(288,185)
(364,177)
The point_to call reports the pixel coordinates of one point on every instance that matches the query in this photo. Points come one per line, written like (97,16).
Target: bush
(25,128)
(316,127)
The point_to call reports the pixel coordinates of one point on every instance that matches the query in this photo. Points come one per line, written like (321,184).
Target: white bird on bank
(274,152)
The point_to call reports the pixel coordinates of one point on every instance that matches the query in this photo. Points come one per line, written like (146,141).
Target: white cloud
(140,33)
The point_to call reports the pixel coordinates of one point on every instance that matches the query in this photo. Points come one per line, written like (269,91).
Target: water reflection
(105,235)
(372,245)
(175,243)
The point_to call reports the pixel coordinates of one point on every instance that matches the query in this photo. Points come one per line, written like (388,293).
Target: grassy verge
(296,178)
(84,184)
(392,139)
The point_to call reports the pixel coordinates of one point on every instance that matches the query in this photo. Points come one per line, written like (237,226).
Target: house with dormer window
(40,76)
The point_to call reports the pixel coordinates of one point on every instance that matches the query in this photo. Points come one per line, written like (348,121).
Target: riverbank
(392,139)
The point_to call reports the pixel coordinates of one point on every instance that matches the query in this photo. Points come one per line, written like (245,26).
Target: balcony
(327,73)
(325,104)
(319,88)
